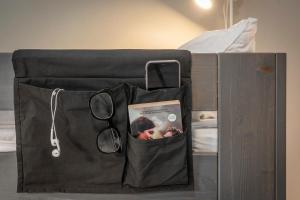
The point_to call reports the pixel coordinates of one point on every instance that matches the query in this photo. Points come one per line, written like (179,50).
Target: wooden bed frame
(249,92)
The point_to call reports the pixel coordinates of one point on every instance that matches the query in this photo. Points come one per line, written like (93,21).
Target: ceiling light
(205,4)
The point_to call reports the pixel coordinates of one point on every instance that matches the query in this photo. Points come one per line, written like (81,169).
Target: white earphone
(53,136)
(56,152)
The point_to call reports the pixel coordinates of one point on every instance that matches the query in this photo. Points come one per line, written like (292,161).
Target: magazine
(155,120)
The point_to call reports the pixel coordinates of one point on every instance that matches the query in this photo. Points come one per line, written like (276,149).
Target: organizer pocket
(140,95)
(157,162)
(161,161)
(80,163)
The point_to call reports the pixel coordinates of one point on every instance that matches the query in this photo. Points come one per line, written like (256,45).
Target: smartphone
(162,74)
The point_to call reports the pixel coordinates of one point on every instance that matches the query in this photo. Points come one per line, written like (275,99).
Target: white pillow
(238,38)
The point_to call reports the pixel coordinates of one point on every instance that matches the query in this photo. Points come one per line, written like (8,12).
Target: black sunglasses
(102,108)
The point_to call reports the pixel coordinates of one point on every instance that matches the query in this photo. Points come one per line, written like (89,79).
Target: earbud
(55,153)
(54,142)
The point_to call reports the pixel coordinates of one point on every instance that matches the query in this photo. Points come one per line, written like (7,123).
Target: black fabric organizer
(141,166)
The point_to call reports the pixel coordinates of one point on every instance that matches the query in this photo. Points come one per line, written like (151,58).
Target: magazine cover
(155,120)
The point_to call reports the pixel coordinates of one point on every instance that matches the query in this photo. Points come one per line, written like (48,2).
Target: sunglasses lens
(108,141)
(102,105)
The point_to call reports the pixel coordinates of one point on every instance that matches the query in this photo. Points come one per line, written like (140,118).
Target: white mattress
(7,131)
(205,132)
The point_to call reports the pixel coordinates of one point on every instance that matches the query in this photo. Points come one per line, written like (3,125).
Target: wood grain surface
(204,81)
(280,126)
(6,82)
(247,126)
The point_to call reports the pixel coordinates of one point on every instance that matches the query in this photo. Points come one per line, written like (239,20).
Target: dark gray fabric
(93,63)
(81,166)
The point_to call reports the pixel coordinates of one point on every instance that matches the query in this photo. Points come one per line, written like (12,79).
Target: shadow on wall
(237,7)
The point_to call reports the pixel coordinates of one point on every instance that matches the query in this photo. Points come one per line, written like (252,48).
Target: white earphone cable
(53,135)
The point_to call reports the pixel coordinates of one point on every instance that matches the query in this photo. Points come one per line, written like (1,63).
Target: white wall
(279,30)
(99,24)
